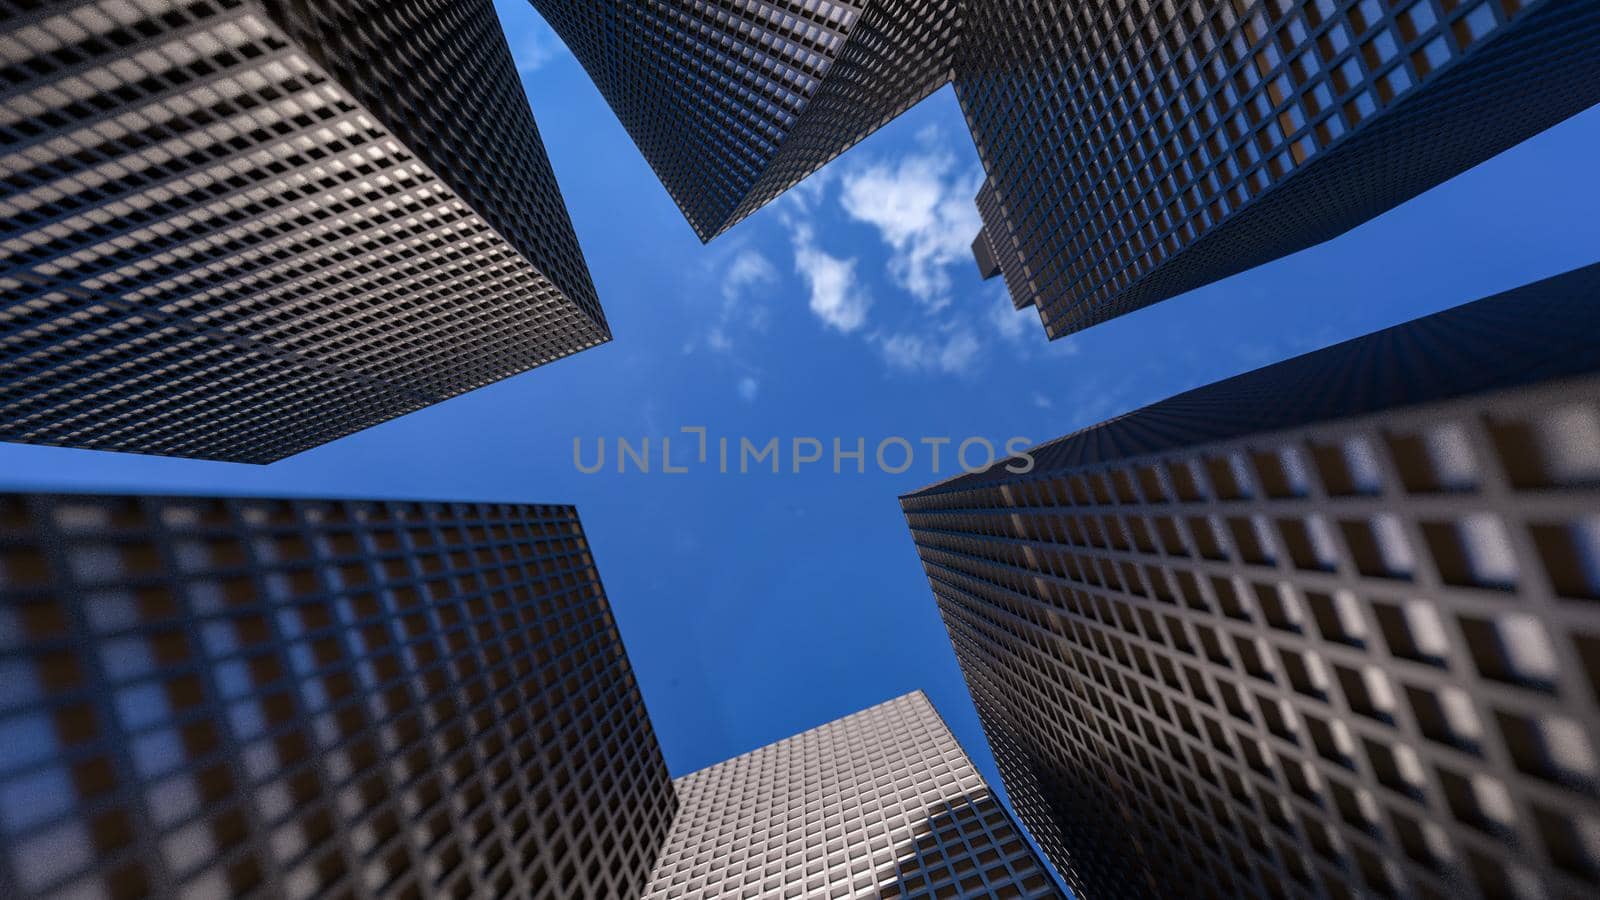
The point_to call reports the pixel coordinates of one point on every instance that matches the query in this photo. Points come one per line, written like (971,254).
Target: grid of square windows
(882,803)
(735,101)
(1140,149)
(896,55)
(1135,148)
(268,698)
(1328,629)
(237,230)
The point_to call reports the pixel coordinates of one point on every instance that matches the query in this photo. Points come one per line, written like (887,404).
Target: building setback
(282,699)
(1326,629)
(238,229)
(1135,150)
(1195,140)
(882,803)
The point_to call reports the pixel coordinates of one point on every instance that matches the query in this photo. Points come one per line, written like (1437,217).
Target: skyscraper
(734,103)
(1325,629)
(267,698)
(882,803)
(1135,150)
(237,230)
(1139,150)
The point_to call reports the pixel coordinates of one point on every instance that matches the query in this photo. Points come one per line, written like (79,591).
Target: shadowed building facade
(734,103)
(1135,150)
(207,698)
(237,229)
(879,804)
(1326,629)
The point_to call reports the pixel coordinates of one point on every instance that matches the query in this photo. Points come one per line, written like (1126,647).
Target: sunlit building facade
(204,698)
(879,804)
(1326,629)
(1134,150)
(237,229)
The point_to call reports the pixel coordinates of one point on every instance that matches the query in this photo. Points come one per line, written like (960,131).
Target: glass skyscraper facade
(1134,150)
(227,697)
(237,229)
(1329,629)
(879,804)
(205,698)
(1137,150)
(1325,629)
(734,103)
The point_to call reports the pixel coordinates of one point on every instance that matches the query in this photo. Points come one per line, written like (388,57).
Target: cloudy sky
(761,604)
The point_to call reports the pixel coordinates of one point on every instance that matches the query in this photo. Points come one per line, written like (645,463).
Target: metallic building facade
(237,229)
(879,804)
(733,103)
(1141,149)
(1326,629)
(896,55)
(1135,150)
(204,698)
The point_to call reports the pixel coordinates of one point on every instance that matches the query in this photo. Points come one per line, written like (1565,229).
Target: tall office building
(882,803)
(237,229)
(283,699)
(1326,629)
(1135,150)
(734,103)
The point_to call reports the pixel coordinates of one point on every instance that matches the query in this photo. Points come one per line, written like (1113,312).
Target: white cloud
(748,388)
(905,351)
(740,310)
(806,195)
(923,209)
(837,298)
(749,269)
(959,353)
(1018,326)
(536,47)
(1042,401)
(955,354)
(930,135)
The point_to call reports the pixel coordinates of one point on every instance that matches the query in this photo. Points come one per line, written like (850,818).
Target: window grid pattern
(882,803)
(1136,149)
(995,247)
(897,54)
(216,246)
(1146,148)
(264,698)
(1229,643)
(708,89)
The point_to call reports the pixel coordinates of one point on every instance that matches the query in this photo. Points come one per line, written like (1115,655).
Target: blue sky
(756,606)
